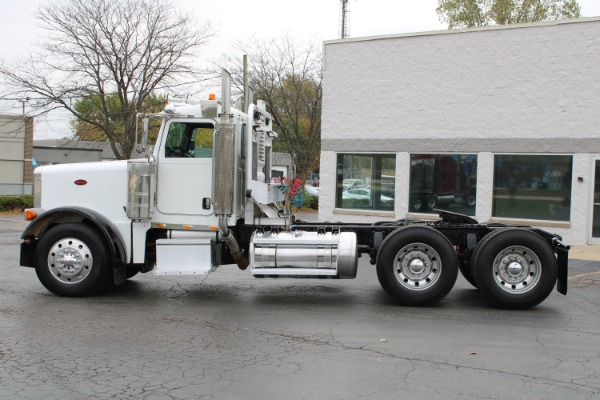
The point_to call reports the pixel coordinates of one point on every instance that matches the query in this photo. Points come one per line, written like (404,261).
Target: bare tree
(100,50)
(288,76)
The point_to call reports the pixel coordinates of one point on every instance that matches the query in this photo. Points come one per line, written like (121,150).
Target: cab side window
(203,142)
(189,140)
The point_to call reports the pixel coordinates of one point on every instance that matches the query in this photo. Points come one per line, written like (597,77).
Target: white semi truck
(204,198)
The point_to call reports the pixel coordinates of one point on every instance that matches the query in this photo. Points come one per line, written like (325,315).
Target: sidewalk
(586,252)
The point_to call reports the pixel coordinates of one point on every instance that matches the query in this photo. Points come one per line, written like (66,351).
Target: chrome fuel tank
(304,254)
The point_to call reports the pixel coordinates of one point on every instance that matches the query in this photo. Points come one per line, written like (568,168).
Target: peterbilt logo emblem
(80,182)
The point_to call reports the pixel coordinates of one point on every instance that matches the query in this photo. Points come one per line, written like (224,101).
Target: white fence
(15,189)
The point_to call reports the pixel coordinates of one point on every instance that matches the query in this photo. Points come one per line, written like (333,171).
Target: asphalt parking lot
(230,336)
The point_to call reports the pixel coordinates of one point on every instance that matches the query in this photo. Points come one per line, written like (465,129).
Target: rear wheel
(417,266)
(466,273)
(70,260)
(514,268)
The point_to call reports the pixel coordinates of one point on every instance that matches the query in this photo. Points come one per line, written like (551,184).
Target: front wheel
(131,271)
(417,266)
(514,268)
(70,260)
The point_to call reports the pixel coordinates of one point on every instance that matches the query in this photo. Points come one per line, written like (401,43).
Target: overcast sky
(309,20)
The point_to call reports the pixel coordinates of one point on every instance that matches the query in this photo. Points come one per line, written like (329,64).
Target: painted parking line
(584,275)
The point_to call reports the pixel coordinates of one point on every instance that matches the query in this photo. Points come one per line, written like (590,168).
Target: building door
(595,225)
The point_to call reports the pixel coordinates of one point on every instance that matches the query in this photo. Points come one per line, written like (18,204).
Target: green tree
(474,13)
(98,110)
(287,75)
(113,55)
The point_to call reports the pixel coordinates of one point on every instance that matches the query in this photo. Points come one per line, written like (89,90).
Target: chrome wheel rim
(517,269)
(417,266)
(70,260)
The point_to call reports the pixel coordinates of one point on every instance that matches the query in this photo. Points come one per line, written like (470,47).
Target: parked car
(311,191)
(364,194)
(352,183)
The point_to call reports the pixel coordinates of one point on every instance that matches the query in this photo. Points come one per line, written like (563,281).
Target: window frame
(376,158)
(202,124)
(558,208)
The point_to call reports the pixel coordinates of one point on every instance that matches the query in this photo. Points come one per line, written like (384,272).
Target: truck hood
(100,186)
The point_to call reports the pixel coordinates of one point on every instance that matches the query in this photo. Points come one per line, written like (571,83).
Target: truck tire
(471,199)
(70,260)
(131,271)
(465,270)
(417,204)
(477,254)
(514,268)
(417,266)
(431,203)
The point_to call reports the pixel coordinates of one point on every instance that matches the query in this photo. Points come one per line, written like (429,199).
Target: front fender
(61,215)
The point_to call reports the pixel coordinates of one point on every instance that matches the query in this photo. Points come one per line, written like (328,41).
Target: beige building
(16,146)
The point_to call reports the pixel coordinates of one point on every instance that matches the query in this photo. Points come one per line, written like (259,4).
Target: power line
(129,92)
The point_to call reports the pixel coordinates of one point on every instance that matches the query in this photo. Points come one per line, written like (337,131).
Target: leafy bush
(10,203)
(311,202)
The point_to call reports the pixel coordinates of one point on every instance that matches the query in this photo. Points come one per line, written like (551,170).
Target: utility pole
(246,92)
(344,20)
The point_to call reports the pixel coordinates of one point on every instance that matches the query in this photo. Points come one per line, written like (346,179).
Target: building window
(366,181)
(443,181)
(532,187)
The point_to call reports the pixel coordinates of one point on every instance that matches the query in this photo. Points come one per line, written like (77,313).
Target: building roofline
(13,115)
(461,31)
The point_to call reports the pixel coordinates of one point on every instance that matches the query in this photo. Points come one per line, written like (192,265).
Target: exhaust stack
(224,172)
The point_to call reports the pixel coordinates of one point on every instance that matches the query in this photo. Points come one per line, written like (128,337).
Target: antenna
(344,31)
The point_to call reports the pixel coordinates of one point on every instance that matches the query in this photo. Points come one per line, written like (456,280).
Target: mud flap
(563,269)
(119,274)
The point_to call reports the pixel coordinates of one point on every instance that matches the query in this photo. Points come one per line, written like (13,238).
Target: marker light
(212,96)
(30,214)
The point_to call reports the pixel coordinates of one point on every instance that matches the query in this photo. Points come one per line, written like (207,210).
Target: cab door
(184,176)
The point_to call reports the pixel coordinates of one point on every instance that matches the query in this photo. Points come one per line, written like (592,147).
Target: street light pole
(24,100)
